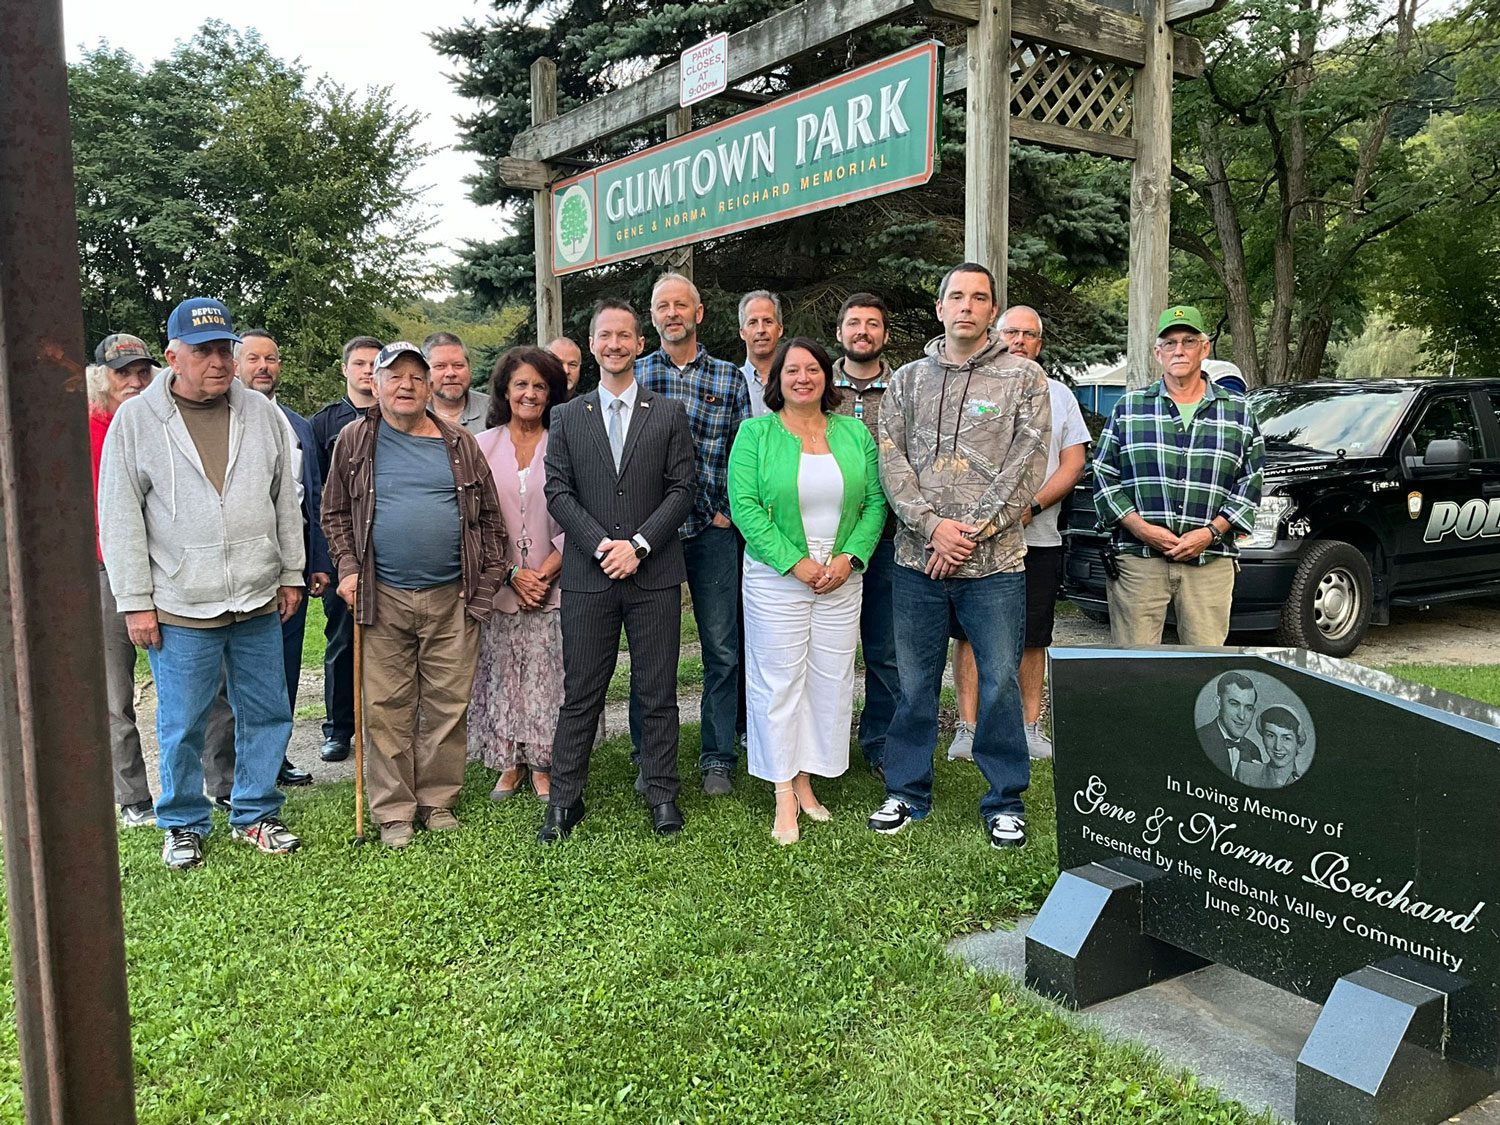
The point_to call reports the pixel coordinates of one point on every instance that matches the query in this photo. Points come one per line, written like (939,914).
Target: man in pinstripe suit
(620,481)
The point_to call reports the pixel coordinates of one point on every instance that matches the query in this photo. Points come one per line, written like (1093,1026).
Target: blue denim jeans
(992,611)
(877,639)
(713,574)
(186,670)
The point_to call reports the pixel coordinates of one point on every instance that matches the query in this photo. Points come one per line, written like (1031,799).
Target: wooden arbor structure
(1078,75)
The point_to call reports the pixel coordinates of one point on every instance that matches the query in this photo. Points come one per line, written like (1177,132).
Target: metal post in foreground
(61,854)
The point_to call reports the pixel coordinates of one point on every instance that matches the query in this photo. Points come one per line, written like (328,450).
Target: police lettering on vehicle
(1473,519)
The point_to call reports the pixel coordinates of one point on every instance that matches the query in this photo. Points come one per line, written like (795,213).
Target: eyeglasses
(1023,333)
(1181,344)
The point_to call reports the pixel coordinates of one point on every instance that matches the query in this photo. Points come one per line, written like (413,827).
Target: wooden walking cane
(359,737)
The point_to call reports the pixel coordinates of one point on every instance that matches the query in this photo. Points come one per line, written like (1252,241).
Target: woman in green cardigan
(804,490)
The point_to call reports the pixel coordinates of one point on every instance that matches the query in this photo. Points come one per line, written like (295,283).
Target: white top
(1068,430)
(820,492)
(756,388)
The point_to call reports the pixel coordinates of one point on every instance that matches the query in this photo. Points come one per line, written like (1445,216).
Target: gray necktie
(616,431)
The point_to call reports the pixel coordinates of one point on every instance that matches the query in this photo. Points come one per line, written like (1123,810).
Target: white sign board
(705,69)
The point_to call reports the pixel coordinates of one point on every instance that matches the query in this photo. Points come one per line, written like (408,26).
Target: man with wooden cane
(419,569)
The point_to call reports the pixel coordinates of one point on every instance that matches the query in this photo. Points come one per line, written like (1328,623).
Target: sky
(380,42)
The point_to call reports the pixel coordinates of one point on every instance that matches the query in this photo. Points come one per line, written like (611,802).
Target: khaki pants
(418,657)
(1200,596)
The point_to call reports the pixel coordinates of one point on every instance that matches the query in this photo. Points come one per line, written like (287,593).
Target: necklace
(812,438)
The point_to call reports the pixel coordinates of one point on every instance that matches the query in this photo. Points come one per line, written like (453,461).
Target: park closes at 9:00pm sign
(865,133)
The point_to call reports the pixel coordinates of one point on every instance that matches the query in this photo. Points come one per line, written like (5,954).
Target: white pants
(799,672)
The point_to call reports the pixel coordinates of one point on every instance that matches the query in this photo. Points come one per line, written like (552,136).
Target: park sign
(871,131)
(1323,827)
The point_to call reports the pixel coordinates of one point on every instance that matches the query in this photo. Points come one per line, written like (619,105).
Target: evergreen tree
(1069,224)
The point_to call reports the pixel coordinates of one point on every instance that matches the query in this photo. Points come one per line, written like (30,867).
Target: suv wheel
(1328,608)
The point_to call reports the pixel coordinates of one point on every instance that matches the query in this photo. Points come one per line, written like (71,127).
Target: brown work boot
(439,820)
(397,834)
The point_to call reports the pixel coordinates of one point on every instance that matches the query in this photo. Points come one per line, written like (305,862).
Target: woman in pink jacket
(518,684)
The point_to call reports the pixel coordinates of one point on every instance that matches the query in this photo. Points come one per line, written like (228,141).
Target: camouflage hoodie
(966,442)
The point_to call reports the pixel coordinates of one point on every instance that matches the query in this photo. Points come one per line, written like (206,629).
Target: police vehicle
(1377,493)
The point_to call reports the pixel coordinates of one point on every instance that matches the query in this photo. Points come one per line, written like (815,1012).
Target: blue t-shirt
(418,535)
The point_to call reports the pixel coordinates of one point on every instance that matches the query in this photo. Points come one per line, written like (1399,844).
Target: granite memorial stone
(1317,825)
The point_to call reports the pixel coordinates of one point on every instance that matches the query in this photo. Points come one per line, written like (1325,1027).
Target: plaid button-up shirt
(714,396)
(1175,476)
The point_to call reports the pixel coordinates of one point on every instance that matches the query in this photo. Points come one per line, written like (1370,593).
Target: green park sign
(871,131)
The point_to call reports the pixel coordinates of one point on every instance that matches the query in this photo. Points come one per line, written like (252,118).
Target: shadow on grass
(478,977)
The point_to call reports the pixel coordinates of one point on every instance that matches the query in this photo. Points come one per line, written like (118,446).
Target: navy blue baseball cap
(199,320)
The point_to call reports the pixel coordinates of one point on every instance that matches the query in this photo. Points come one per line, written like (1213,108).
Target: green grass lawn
(1480,682)
(478,977)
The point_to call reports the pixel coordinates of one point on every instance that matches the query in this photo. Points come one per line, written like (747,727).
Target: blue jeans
(992,611)
(877,639)
(713,574)
(186,670)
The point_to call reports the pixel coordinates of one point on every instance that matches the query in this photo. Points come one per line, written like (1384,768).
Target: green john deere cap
(1181,316)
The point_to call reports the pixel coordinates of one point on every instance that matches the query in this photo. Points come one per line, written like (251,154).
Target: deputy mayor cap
(1181,316)
(121,350)
(199,320)
(391,352)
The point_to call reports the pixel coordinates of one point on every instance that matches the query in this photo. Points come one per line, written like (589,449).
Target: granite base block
(1235,1033)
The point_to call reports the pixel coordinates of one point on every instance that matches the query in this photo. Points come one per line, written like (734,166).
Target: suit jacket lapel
(594,424)
(639,418)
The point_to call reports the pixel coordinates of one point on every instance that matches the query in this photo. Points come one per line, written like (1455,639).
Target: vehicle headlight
(1268,517)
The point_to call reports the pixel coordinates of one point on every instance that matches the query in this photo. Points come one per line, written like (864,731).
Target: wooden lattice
(1056,87)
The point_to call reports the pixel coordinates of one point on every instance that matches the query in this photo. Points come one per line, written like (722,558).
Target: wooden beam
(956,80)
(527,175)
(1082,26)
(1072,140)
(762,47)
(1178,10)
(548,288)
(987,144)
(1150,196)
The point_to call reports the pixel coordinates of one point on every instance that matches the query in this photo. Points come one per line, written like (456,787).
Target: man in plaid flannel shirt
(714,396)
(1177,474)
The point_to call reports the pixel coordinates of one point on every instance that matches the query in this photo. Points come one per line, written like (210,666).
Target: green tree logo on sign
(575,224)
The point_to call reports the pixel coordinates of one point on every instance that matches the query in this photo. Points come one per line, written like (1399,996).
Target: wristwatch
(641,550)
(1036,509)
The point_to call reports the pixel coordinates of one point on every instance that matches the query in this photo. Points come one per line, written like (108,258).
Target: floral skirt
(518,690)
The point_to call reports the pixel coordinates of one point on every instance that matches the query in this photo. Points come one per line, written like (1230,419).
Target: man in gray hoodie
(963,450)
(201,531)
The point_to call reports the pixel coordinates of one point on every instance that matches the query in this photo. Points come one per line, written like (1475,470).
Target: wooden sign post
(1075,75)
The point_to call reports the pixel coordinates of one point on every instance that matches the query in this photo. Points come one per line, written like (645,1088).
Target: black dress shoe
(559,822)
(291,775)
(666,819)
(335,749)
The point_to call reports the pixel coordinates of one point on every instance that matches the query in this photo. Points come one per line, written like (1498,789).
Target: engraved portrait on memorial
(1254,729)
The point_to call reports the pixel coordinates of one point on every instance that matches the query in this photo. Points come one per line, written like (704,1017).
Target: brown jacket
(349,514)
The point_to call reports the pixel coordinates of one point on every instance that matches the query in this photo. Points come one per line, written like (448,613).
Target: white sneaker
(1007,831)
(962,746)
(1038,745)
